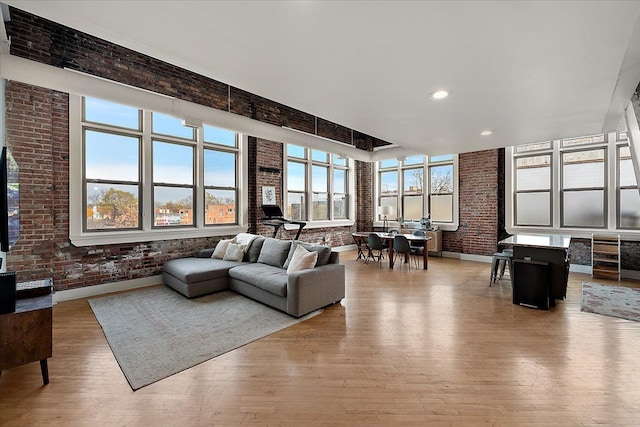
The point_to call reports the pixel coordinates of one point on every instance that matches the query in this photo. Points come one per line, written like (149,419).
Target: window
(627,189)
(419,186)
(533,190)
(317,185)
(593,178)
(143,172)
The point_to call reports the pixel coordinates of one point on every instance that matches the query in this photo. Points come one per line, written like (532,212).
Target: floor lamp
(385,210)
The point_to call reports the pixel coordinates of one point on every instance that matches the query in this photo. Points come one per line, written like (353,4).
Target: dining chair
(418,246)
(375,244)
(361,244)
(401,247)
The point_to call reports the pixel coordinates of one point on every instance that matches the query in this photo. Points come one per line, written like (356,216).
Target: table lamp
(384,210)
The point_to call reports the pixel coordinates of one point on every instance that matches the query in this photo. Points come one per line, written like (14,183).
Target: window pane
(389,163)
(296,206)
(413,179)
(441,179)
(167,125)
(112,206)
(295,151)
(319,206)
(583,208)
(296,180)
(630,208)
(533,173)
(389,183)
(110,113)
(583,169)
(533,208)
(533,146)
(414,160)
(339,181)
(220,206)
(172,206)
(219,169)
(441,208)
(583,140)
(340,206)
(219,136)
(389,201)
(339,161)
(111,157)
(442,158)
(412,207)
(172,163)
(319,156)
(627,175)
(319,175)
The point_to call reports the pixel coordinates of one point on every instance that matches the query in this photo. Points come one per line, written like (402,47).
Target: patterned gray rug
(156,332)
(615,301)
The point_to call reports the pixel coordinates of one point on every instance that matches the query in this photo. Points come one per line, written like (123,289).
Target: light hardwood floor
(436,347)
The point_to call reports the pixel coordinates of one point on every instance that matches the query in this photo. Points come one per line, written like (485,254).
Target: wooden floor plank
(437,347)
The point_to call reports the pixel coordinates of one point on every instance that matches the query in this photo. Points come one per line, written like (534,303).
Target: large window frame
(393,189)
(310,194)
(146,229)
(595,160)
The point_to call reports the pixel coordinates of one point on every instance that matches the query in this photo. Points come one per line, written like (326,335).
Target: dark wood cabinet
(26,334)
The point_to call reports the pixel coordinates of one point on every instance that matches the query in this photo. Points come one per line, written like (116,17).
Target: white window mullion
(147,173)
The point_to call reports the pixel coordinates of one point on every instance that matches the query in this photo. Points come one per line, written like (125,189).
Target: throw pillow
(324,252)
(221,248)
(274,252)
(302,259)
(234,252)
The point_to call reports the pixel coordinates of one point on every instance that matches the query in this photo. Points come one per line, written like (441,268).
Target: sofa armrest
(309,290)
(205,253)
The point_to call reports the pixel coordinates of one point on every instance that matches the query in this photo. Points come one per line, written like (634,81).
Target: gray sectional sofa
(262,275)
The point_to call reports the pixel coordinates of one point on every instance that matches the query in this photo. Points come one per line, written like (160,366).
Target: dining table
(388,238)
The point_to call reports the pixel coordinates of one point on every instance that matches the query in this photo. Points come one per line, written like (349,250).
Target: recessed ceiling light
(486,132)
(439,94)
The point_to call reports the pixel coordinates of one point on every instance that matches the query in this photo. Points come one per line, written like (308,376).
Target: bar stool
(500,260)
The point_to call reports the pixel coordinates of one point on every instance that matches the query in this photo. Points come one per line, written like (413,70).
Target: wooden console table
(26,334)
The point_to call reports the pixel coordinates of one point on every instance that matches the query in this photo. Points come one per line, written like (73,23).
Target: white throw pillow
(302,259)
(221,248)
(234,252)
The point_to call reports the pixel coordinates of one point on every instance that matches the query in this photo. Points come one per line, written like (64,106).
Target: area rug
(615,301)
(156,332)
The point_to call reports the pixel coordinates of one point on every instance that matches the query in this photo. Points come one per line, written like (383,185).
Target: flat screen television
(9,201)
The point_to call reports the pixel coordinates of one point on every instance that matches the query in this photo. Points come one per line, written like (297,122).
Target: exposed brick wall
(478,207)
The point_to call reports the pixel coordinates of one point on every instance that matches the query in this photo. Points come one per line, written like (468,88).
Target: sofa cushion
(192,270)
(302,259)
(263,276)
(221,248)
(274,252)
(234,252)
(253,251)
(324,252)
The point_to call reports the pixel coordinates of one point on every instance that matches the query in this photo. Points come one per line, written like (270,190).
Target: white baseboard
(106,288)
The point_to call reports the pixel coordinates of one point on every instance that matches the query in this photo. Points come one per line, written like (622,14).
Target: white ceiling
(529,71)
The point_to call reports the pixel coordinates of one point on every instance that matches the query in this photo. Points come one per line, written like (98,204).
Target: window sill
(395,224)
(578,233)
(111,238)
(322,224)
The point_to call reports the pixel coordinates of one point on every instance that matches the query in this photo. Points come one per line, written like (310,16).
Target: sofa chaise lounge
(263,270)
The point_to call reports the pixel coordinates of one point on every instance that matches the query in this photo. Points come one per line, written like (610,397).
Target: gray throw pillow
(274,252)
(253,252)
(324,252)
